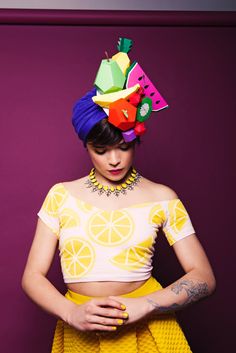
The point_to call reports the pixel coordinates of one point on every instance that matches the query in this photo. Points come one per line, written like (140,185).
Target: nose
(114,157)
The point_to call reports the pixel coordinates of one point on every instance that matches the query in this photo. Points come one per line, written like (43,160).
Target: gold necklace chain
(129,184)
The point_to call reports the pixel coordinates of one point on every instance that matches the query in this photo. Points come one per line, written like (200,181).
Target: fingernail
(120,322)
(114,328)
(123,307)
(125,315)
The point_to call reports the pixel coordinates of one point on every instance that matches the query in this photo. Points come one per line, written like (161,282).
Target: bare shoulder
(73,185)
(161,192)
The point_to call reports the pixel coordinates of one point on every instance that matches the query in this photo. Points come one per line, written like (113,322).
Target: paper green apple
(109,77)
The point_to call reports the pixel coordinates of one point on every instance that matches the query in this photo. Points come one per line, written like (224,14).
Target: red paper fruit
(122,114)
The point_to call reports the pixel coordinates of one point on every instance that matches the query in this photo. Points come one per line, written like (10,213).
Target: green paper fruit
(109,77)
(122,59)
(144,109)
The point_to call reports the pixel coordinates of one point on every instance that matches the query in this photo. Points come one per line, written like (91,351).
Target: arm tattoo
(194,291)
(163,309)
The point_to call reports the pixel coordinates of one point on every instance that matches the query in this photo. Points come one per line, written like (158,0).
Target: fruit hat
(86,114)
(123,94)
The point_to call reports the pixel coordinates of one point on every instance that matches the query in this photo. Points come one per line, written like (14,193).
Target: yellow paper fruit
(122,59)
(104,100)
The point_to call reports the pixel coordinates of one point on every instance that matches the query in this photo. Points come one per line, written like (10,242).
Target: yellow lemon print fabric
(77,257)
(54,200)
(110,228)
(100,245)
(136,256)
(157,215)
(84,206)
(69,218)
(178,224)
(48,213)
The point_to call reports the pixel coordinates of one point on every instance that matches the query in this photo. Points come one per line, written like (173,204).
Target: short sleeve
(177,224)
(49,210)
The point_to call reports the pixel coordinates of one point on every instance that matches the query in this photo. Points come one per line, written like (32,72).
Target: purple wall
(43,70)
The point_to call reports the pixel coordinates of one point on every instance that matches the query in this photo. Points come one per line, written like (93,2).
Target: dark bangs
(104,133)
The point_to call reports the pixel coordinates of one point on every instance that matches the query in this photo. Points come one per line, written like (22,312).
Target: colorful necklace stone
(129,184)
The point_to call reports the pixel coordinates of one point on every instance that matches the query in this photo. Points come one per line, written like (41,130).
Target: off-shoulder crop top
(100,245)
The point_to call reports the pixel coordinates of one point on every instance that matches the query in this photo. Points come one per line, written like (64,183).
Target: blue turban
(86,114)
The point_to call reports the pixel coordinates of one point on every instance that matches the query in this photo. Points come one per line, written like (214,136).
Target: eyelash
(123,149)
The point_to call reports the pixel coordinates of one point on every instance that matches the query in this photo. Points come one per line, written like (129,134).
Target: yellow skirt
(159,333)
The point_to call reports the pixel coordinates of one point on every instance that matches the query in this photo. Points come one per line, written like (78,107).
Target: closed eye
(99,152)
(124,148)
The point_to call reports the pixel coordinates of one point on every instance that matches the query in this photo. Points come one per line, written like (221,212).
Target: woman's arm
(89,316)
(197,283)
(34,281)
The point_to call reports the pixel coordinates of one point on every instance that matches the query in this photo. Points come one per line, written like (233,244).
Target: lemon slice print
(77,257)
(134,257)
(110,228)
(169,236)
(157,215)
(84,206)
(54,199)
(69,218)
(177,219)
(178,215)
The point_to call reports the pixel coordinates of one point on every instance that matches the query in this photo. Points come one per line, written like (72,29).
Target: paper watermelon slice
(135,74)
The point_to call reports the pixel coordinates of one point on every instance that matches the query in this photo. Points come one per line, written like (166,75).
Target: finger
(94,319)
(107,302)
(97,327)
(119,300)
(107,312)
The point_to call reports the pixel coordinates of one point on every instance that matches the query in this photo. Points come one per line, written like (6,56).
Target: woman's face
(117,158)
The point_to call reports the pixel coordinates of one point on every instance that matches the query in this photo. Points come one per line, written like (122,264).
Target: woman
(106,224)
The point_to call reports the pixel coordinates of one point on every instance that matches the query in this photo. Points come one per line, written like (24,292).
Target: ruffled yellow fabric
(158,334)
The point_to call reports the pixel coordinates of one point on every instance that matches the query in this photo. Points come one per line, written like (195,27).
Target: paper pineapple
(122,59)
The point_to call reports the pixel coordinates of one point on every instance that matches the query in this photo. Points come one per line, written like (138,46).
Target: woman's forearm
(188,289)
(43,293)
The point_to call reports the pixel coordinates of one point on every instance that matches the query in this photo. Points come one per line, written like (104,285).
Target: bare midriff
(101,289)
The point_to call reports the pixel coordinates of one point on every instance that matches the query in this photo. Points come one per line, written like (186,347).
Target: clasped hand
(106,314)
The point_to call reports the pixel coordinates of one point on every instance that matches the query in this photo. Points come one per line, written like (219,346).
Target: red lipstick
(115,171)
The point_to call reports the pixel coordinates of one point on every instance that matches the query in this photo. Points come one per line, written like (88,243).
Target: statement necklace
(129,184)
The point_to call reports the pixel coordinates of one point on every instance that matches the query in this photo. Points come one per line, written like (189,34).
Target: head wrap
(123,94)
(86,114)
